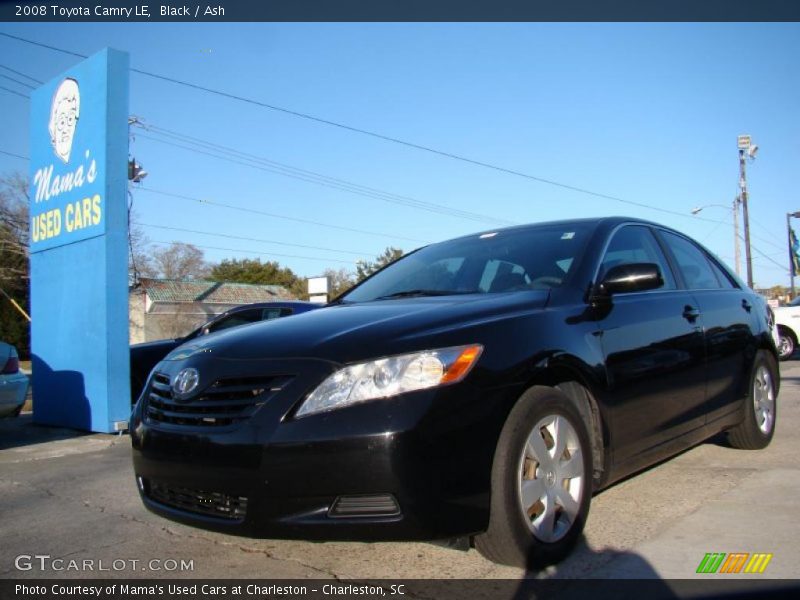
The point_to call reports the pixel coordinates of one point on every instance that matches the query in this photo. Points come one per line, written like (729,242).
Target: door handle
(746,305)
(690,313)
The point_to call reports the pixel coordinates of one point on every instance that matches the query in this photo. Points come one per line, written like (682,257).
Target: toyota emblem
(185,382)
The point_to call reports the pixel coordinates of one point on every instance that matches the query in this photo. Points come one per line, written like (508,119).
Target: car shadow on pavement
(59,405)
(612,574)
(22,431)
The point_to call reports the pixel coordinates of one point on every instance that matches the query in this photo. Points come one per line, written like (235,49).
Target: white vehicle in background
(787,318)
(13,383)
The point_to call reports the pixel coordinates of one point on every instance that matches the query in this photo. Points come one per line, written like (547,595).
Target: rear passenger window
(693,264)
(723,278)
(636,244)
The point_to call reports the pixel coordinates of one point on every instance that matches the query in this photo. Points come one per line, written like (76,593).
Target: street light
(735,208)
(792,255)
(746,150)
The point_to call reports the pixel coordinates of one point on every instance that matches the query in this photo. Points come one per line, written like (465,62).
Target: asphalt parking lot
(73,497)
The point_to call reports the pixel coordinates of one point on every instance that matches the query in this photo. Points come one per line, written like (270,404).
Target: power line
(325,181)
(248,239)
(768,242)
(370,133)
(5,89)
(40,44)
(771,232)
(307,221)
(346,262)
(753,247)
(713,230)
(328,181)
(14,155)
(277,216)
(774,262)
(26,76)
(310,176)
(27,85)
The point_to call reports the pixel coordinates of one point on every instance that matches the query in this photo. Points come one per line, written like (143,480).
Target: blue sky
(644,112)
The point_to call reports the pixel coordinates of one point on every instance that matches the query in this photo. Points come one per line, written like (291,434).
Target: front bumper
(277,476)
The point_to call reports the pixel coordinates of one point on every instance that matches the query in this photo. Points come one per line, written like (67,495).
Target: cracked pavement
(73,496)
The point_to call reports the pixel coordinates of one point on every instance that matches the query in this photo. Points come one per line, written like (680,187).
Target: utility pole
(746,149)
(737,253)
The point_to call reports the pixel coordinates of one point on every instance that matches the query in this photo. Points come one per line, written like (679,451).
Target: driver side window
(636,244)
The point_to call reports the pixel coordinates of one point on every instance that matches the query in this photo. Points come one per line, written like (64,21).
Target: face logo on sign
(64,113)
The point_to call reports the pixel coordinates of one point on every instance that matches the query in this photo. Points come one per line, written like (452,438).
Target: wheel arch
(785,327)
(574,379)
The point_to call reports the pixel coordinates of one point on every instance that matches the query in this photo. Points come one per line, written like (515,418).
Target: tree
(14,265)
(340,281)
(364,269)
(140,262)
(247,270)
(778,291)
(180,261)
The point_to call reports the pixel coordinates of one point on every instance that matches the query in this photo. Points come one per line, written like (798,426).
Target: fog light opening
(375,505)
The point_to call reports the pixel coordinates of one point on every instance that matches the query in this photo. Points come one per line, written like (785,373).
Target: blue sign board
(79,243)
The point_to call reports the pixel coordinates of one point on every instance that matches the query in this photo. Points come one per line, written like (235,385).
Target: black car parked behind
(146,355)
(483,386)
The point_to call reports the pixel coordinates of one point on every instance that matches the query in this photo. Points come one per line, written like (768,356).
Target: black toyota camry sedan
(485,386)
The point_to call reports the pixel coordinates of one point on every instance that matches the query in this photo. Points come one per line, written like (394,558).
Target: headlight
(391,376)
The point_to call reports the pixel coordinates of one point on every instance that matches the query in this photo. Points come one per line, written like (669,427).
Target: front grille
(224,402)
(214,504)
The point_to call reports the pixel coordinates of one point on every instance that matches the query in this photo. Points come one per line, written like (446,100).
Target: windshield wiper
(422,292)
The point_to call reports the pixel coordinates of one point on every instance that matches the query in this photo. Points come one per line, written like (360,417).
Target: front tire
(760,406)
(541,482)
(786,344)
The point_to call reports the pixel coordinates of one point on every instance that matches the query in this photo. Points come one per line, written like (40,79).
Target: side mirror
(633,277)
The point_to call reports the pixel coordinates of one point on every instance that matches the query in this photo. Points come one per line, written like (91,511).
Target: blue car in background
(13,383)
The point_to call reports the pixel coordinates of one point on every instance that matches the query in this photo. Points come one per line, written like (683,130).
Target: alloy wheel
(551,482)
(764,399)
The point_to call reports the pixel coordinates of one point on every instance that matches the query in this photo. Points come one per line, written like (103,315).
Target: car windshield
(531,258)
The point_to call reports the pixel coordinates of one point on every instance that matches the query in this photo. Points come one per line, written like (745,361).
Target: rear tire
(541,482)
(760,406)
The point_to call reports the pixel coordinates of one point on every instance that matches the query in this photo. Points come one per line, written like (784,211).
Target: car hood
(347,332)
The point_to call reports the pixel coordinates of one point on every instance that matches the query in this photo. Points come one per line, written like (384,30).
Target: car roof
(276,304)
(609,222)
